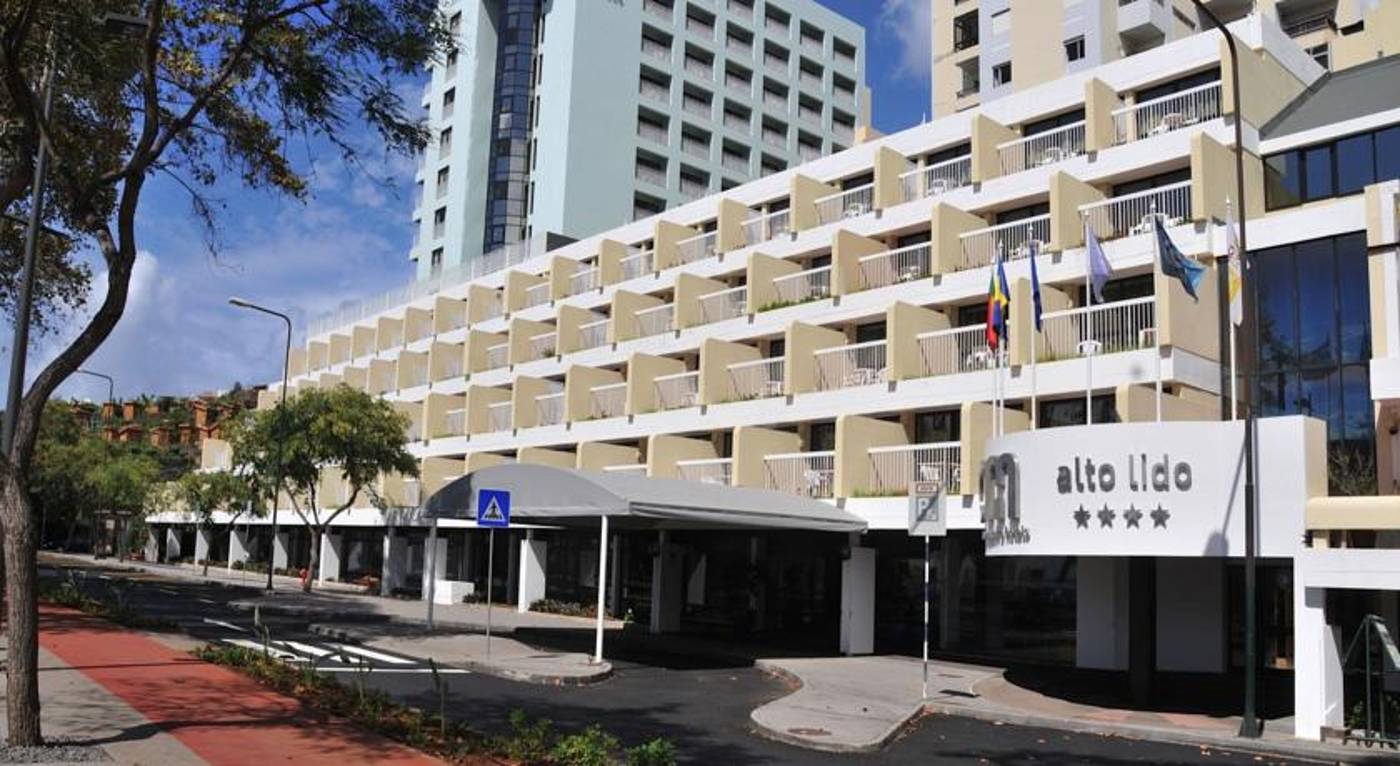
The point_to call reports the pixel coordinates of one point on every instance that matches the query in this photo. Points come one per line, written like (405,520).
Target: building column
(666,575)
(203,541)
(858,599)
(237,545)
(280,543)
(152,544)
(615,574)
(172,544)
(395,562)
(329,565)
(434,561)
(1101,613)
(1142,627)
(512,554)
(1317,664)
(532,571)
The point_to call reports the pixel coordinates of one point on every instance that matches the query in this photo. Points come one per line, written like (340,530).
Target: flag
(998,307)
(1035,284)
(1174,264)
(1099,270)
(1236,283)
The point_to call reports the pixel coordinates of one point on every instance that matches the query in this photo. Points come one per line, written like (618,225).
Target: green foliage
(74,592)
(782,304)
(590,747)
(657,752)
(567,608)
(529,741)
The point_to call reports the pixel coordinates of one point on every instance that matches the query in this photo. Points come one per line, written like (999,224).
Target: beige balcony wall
(524,413)
(332,491)
(846,251)
(762,270)
(340,348)
(517,282)
(521,331)
(435,409)
(1183,322)
(642,372)
(448,314)
(1100,99)
(1067,193)
(267,399)
(1137,403)
(855,435)
(889,166)
(1021,334)
(556,458)
(689,289)
(317,354)
(625,306)
(361,341)
(579,383)
(215,455)
(561,270)
(1379,38)
(802,341)
(441,356)
(1382,234)
(610,255)
(417,324)
(327,381)
(437,472)
(668,235)
(663,450)
(394,491)
(566,323)
(751,445)
(292,390)
(716,385)
(355,377)
(480,300)
(388,333)
(476,461)
(381,376)
(410,365)
(296,362)
(987,135)
(803,195)
(730,225)
(1213,180)
(976,425)
(478,399)
(1266,86)
(475,348)
(946,227)
(414,412)
(903,324)
(595,456)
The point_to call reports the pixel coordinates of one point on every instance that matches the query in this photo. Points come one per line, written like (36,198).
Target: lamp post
(1249,724)
(286,365)
(111,384)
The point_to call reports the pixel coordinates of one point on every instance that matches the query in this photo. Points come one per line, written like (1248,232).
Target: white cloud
(909,24)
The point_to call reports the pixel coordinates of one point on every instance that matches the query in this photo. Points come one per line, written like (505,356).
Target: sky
(349,239)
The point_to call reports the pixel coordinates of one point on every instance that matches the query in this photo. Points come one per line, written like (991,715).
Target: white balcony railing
(763,228)
(678,390)
(893,469)
(636,265)
(497,355)
(851,203)
(454,423)
(857,364)
(756,379)
(698,247)
(655,320)
(585,280)
(417,376)
(980,247)
(715,470)
(495,306)
(1171,112)
(593,334)
(903,265)
(1114,327)
(537,295)
(960,349)
(544,344)
(633,469)
(452,368)
(498,416)
(724,304)
(811,474)
(549,409)
(1134,213)
(936,179)
(1046,148)
(608,401)
(802,286)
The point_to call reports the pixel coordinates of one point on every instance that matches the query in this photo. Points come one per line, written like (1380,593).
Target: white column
(280,545)
(858,600)
(329,568)
(152,544)
(512,565)
(666,571)
(203,541)
(172,544)
(1317,669)
(237,545)
(395,562)
(1101,613)
(434,561)
(532,571)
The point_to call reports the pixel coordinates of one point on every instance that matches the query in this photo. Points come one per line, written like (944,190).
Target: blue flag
(1174,264)
(1099,270)
(1035,284)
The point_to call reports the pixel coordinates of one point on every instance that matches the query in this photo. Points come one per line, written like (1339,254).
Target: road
(702,707)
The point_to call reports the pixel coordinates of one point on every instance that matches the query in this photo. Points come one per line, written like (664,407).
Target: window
(1074,49)
(435,262)
(933,427)
(821,437)
(1001,74)
(1070,412)
(445,142)
(1335,168)
(1322,54)
(965,31)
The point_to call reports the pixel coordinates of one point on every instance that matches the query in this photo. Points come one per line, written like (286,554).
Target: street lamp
(111,384)
(1249,724)
(286,365)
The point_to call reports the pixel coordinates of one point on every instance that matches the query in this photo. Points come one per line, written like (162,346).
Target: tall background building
(570,117)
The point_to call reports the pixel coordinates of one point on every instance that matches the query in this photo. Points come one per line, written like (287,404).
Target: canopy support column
(602,588)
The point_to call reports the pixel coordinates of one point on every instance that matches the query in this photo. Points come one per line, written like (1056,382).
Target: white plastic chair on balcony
(817,482)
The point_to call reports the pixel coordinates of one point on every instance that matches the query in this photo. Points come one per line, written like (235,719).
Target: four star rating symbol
(1106,517)
(1159,517)
(1081,518)
(1132,517)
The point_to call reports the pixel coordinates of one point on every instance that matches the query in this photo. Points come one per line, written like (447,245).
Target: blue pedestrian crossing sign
(492,508)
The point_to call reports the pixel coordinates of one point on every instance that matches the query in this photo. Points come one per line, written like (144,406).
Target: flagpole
(1156,336)
(1087,348)
(1035,334)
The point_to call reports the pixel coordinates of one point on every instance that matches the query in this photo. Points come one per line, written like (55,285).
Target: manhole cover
(808,732)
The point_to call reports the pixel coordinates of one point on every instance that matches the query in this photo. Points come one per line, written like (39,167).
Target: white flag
(1236,283)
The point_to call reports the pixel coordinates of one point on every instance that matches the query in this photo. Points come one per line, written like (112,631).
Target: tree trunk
(208,549)
(72,531)
(315,559)
(21,572)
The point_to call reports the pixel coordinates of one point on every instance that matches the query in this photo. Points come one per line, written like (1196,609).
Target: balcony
(536,295)
(1168,113)
(716,470)
(936,179)
(1134,213)
(593,334)
(1143,21)
(549,409)
(636,265)
(702,69)
(801,287)
(657,10)
(764,228)
(498,416)
(655,320)
(655,49)
(652,175)
(810,474)
(630,469)
(609,401)
(1012,239)
(543,346)
(679,390)
(655,91)
(497,355)
(697,147)
(1107,328)
(653,133)
(757,379)
(953,351)
(850,203)
(724,304)
(1042,149)
(894,468)
(495,307)
(895,266)
(454,423)
(698,247)
(585,280)
(417,376)
(776,65)
(858,364)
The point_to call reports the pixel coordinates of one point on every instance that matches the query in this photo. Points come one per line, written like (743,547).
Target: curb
(778,735)
(316,612)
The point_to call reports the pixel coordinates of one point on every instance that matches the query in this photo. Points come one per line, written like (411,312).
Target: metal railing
(655,320)
(417,376)
(549,409)
(498,416)
(585,279)
(454,422)
(902,265)
(537,294)
(802,286)
(756,379)
(636,265)
(849,203)
(593,334)
(724,304)
(857,364)
(980,247)
(544,344)
(714,470)
(766,227)
(608,401)
(894,468)
(495,306)
(497,355)
(1167,113)
(1133,213)
(1046,148)
(811,474)
(681,389)
(698,247)
(628,468)
(936,179)
(1113,327)
(959,349)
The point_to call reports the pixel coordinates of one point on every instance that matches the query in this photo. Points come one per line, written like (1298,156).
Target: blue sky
(350,239)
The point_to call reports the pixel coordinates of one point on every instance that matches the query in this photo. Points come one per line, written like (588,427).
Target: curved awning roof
(546,494)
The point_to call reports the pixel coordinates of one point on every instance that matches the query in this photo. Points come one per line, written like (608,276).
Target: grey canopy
(545,494)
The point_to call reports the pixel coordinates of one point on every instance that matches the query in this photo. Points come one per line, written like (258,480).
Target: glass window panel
(930,427)
(1282,180)
(1354,285)
(1278,394)
(1317,165)
(1320,395)
(1355,165)
(821,437)
(1277,308)
(1388,153)
(1358,417)
(1317,304)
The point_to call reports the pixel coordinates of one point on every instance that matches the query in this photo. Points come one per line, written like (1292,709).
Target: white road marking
(168,591)
(373,655)
(205,601)
(227,625)
(321,653)
(443,671)
(271,650)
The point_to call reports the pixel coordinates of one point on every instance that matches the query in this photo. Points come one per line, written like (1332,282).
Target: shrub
(566,608)
(658,752)
(590,747)
(529,741)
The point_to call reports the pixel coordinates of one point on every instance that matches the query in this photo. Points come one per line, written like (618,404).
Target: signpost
(927,519)
(492,512)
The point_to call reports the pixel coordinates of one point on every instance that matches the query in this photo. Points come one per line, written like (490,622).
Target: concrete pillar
(172,544)
(395,562)
(152,544)
(1317,669)
(434,561)
(512,554)
(1101,613)
(858,600)
(532,571)
(280,545)
(203,541)
(332,546)
(615,574)
(237,545)
(666,575)
(1142,627)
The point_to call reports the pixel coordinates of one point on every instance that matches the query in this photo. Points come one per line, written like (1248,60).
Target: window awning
(545,494)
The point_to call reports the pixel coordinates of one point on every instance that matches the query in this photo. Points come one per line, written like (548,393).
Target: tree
(120,483)
(215,495)
(342,434)
(210,87)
